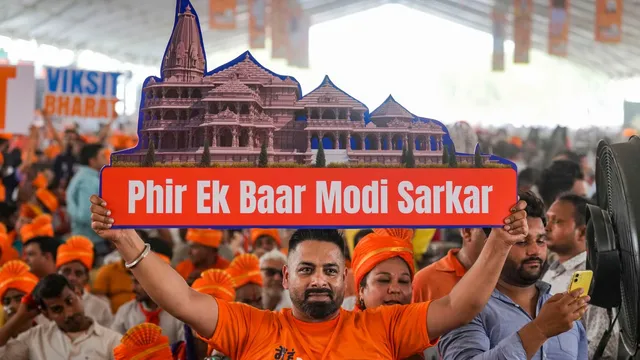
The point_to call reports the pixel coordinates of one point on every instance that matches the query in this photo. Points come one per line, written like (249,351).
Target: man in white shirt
(566,236)
(70,335)
(75,261)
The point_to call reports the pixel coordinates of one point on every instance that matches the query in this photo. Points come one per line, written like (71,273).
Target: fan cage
(616,204)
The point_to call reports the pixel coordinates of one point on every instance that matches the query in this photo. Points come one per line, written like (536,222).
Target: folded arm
(167,288)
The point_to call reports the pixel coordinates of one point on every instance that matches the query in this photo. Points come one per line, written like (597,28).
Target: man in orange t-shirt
(203,253)
(439,278)
(315,327)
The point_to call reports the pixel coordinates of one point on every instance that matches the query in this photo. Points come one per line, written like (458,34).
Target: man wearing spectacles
(274,297)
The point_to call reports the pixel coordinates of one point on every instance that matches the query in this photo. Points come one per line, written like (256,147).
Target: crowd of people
(73,288)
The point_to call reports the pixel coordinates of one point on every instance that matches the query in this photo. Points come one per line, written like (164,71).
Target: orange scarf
(151,316)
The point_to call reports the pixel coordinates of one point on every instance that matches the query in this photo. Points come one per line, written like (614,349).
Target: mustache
(75,318)
(532,259)
(310,292)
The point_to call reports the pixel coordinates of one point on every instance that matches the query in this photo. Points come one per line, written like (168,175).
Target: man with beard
(566,236)
(315,275)
(522,320)
(70,334)
(274,296)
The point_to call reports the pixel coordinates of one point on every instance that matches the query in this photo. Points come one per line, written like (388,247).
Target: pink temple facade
(243,106)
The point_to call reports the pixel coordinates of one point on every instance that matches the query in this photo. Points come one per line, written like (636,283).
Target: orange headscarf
(15,275)
(217,283)
(245,269)
(8,251)
(382,245)
(6,136)
(143,342)
(256,233)
(40,181)
(77,248)
(40,226)
(48,199)
(207,237)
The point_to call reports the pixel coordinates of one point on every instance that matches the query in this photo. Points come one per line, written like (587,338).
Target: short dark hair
(359,235)
(89,152)
(50,287)
(47,244)
(535,206)
(325,235)
(580,206)
(570,155)
(557,179)
(528,176)
(160,246)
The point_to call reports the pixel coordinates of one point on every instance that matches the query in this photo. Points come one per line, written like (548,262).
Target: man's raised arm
(163,284)
(472,292)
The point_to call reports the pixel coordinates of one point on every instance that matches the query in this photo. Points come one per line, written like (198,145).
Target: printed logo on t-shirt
(282,353)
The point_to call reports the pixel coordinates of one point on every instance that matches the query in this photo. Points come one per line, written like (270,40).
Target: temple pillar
(234,132)
(337,111)
(270,135)
(308,113)
(362,138)
(308,141)
(348,114)
(175,139)
(190,140)
(348,145)
(428,145)
(179,91)
(160,135)
(250,136)
(440,145)
(214,140)
(320,112)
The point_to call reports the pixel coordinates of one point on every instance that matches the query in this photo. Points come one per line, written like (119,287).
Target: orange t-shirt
(186,267)
(386,332)
(438,279)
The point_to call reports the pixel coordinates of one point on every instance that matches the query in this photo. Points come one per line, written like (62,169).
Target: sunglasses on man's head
(272,272)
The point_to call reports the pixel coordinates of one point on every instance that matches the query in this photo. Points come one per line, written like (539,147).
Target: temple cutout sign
(242,146)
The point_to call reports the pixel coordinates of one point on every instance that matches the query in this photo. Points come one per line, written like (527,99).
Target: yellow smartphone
(581,279)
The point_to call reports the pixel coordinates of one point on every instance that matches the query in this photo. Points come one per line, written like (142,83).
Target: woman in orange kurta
(383,269)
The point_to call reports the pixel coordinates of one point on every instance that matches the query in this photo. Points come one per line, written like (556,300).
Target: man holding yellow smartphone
(522,320)
(566,236)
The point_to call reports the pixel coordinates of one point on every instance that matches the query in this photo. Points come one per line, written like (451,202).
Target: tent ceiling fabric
(136,31)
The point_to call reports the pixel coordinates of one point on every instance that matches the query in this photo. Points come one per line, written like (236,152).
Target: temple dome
(184,59)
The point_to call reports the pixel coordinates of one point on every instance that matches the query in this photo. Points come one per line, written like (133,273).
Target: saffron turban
(15,275)
(143,342)
(207,237)
(273,233)
(48,199)
(77,248)
(30,211)
(40,181)
(378,247)
(217,283)
(6,136)
(40,226)
(6,246)
(245,269)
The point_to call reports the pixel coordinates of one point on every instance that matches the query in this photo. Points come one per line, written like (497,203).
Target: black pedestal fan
(613,236)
